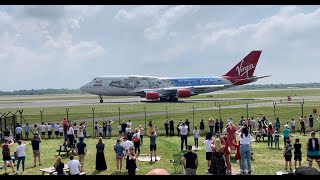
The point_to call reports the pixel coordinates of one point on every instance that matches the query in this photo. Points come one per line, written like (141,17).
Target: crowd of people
(220,143)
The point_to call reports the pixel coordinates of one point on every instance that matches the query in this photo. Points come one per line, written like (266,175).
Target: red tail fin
(245,68)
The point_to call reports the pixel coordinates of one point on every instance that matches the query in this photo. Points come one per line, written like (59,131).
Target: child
(208,143)
(276,135)
(120,130)
(237,156)
(293,125)
(195,136)
(60,131)
(287,154)
(258,135)
(297,153)
(100,130)
(118,149)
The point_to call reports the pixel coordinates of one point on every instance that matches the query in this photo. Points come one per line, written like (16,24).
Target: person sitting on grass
(287,154)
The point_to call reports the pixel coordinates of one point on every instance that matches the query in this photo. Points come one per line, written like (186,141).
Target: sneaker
(156,159)
(249,172)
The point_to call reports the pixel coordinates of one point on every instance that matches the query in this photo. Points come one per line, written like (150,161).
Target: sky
(67,46)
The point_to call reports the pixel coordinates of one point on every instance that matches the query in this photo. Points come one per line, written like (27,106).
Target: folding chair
(177,163)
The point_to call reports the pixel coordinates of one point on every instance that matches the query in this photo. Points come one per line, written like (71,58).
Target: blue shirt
(286,133)
(118,149)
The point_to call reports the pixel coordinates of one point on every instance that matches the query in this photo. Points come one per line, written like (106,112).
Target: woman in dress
(101,164)
(218,163)
(231,129)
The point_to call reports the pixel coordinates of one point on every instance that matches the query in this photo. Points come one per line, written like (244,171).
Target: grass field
(266,160)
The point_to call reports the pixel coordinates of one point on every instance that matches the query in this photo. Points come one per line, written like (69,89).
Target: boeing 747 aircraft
(170,89)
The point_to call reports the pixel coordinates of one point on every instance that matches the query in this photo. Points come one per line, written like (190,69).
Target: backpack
(289,150)
(5,150)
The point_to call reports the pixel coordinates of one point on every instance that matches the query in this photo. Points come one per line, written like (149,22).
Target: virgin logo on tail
(244,70)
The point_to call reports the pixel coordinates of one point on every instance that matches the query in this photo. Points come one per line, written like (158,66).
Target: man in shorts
(6,154)
(36,149)
(313,149)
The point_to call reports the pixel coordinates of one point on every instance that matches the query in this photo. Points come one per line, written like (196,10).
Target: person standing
(293,125)
(136,141)
(82,151)
(118,149)
(196,137)
(36,149)
(184,137)
(109,128)
(211,125)
(26,131)
(216,126)
(20,150)
(277,124)
(141,131)
(190,161)
(201,128)
(313,149)
(221,125)
(18,132)
(171,127)
(101,164)
(297,153)
(218,163)
(56,130)
(188,125)
(286,134)
(153,146)
(245,150)
(131,165)
(270,135)
(166,127)
(208,143)
(303,126)
(43,130)
(49,127)
(276,135)
(311,122)
(6,154)
(287,154)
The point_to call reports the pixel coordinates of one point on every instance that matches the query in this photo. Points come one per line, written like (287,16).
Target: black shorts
(297,157)
(6,158)
(311,124)
(153,147)
(311,158)
(120,132)
(208,155)
(56,133)
(61,133)
(43,133)
(49,133)
(27,133)
(288,157)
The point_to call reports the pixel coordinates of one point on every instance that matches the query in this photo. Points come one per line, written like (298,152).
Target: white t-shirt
(129,124)
(70,131)
(18,130)
(127,144)
(120,128)
(100,130)
(208,145)
(49,127)
(74,167)
(183,130)
(293,123)
(35,130)
(43,128)
(80,133)
(244,139)
(21,150)
(56,127)
(60,129)
(195,134)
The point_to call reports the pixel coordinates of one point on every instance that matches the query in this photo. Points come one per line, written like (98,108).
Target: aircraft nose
(82,88)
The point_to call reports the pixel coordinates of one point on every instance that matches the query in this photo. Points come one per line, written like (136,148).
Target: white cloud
(155,19)
(289,23)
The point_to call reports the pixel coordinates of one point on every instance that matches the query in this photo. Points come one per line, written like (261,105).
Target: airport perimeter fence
(143,113)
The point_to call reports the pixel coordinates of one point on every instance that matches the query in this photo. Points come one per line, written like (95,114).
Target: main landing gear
(169,99)
(101,100)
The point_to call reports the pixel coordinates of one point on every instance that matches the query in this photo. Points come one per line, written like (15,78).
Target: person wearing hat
(287,154)
(286,133)
(313,149)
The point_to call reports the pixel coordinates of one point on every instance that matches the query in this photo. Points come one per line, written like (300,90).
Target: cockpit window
(95,79)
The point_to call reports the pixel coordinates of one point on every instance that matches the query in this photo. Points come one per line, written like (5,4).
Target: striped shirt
(276,134)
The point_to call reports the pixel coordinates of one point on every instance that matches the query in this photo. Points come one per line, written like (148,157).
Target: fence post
(94,134)
(20,112)
(220,110)
(67,110)
(193,115)
(274,110)
(145,118)
(41,115)
(167,112)
(302,103)
(119,114)
(247,111)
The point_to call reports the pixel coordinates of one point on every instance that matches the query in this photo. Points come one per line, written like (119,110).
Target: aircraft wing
(195,89)
(252,79)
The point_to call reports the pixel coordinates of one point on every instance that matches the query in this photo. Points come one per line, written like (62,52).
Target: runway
(5,104)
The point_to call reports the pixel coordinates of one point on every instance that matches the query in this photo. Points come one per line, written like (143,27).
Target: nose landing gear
(101,100)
